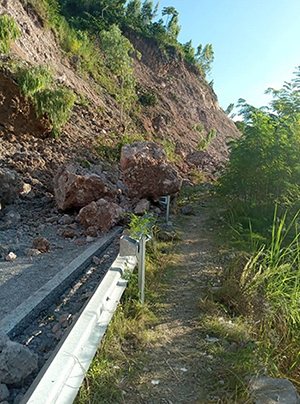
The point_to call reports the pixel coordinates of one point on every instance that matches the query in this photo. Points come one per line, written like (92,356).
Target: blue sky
(256,43)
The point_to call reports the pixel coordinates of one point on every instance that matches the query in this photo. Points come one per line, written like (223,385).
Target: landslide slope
(185,100)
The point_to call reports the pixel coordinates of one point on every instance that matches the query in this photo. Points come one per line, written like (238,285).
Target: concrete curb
(42,298)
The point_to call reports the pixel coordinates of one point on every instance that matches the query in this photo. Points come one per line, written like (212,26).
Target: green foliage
(264,163)
(205,58)
(141,225)
(49,10)
(34,79)
(204,142)
(197,127)
(93,15)
(55,105)
(148,99)
(110,148)
(170,150)
(8,31)
(117,51)
(269,284)
(51,101)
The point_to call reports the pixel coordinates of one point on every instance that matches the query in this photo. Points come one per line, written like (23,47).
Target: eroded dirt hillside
(184,101)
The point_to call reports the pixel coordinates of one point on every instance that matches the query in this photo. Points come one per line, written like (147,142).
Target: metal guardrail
(61,377)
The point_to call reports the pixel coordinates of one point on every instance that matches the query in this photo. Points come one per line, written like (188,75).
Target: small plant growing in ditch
(9,31)
(141,225)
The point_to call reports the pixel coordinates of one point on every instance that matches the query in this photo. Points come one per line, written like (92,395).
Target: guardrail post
(142,258)
(165,200)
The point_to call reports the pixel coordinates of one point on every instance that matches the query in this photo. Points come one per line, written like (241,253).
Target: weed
(204,142)
(170,150)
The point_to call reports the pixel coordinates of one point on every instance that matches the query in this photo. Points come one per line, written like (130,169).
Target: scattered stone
(166,232)
(4,392)
(11,256)
(147,171)
(211,339)
(65,320)
(66,219)
(92,231)
(11,186)
(142,207)
(101,214)
(68,233)
(80,242)
(41,244)
(26,189)
(32,252)
(56,328)
(76,191)
(187,210)
(3,250)
(90,239)
(16,363)
(266,390)
(96,260)
(10,219)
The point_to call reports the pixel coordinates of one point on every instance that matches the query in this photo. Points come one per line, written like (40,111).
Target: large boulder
(266,390)
(16,362)
(11,185)
(73,190)
(100,215)
(147,172)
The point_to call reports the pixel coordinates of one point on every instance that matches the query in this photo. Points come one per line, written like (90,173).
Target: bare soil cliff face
(184,100)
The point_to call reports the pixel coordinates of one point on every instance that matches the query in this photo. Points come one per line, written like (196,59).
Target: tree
(133,15)
(205,58)
(189,52)
(264,163)
(171,25)
(149,11)
(117,51)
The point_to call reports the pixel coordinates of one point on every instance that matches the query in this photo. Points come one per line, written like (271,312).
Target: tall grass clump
(51,100)
(267,288)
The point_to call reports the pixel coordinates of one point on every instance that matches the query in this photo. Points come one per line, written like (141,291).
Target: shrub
(148,99)
(8,31)
(34,79)
(55,105)
(50,100)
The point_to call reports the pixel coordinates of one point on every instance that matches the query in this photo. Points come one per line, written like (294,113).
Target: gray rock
(187,210)
(142,206)
(16,363)
(4,392)
(266,390)
(3,340)
(11,186)
(3,250)
(166,232)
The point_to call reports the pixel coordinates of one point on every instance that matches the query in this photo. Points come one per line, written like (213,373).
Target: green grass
(117,363)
